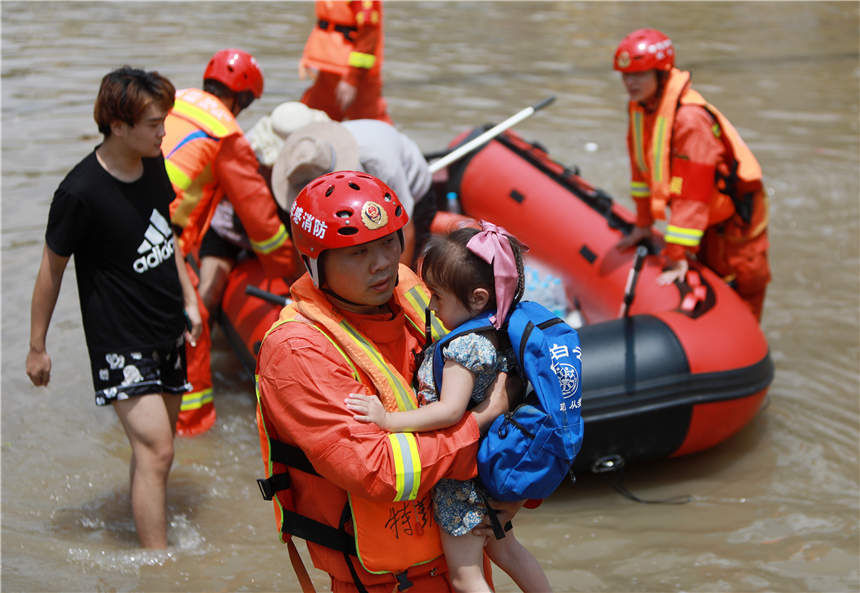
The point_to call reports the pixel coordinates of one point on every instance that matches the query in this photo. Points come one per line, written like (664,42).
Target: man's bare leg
(149,422)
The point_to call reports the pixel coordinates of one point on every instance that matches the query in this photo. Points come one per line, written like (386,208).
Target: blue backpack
(528,451)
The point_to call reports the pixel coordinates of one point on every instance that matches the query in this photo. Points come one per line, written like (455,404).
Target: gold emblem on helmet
(373,216)
(623,59)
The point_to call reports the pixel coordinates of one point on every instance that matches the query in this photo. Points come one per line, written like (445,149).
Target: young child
(468,272)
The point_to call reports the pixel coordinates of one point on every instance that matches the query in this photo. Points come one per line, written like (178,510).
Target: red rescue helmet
(644,49)
(342,209)
(237,70)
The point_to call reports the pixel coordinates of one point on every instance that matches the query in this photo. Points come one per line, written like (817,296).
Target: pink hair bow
(492,246)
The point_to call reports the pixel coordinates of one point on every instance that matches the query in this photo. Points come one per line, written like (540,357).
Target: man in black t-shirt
(111,214)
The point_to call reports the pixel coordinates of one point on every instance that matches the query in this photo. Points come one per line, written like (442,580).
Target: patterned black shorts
(124,374)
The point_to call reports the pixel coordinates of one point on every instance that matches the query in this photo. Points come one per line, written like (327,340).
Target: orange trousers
(368,103)
(197,414)
(741,262)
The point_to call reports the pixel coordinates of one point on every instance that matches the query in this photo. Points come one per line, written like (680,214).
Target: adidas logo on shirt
(157,245)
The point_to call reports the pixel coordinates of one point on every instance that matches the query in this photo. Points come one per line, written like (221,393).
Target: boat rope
(616,478)
(613,467)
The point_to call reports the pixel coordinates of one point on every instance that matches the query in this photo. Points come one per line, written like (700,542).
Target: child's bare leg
(512,557)
(465,557)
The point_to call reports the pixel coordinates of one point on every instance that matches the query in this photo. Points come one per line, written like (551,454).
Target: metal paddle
(471,145)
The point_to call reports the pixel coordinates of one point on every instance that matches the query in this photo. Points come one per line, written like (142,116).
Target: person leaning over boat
(208,158)
(111,213)
(360,495)
(344,55)
(686,155)
(225,242)
(368,145)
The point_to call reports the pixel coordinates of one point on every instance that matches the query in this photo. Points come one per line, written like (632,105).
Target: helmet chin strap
(312,265)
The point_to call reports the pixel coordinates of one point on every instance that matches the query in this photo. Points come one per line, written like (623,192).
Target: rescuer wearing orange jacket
(686,155)
(207,159)
(345,50)
(359,495)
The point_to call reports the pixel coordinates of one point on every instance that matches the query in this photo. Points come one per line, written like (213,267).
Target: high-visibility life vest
(193,129)
(380,550)
(331,44)
(652,154)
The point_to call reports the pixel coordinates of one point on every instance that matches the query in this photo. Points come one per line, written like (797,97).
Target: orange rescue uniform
(347,43)
(207,157)
(305,369)
(686,155)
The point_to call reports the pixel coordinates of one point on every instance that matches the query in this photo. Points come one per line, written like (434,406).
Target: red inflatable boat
(684,369)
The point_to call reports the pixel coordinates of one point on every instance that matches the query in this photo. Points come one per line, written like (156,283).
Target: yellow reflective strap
(419,299)
(268,461)
(191,196)
(403,394)
(638,148)
(658,147)
(280,322)
(196,399)
(199,115)
(407,465)
(683,236)
(360,60)
(177,176)
(639,189)
(276,325)
(272,243)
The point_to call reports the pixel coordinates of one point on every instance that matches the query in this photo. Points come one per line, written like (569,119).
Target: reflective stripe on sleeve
(269,245)
(360,60)
(196,399)
(639,189)
(407,465)
(682,236)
